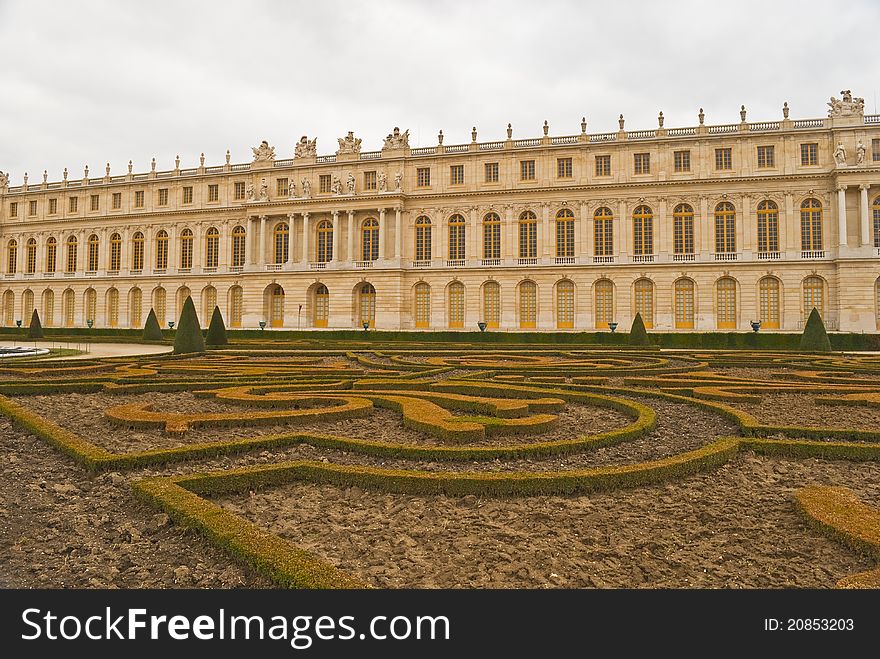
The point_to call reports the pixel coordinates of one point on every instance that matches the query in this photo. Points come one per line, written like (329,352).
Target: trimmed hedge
(152,331)
(35,329)
(216,330)
(638,335)
(815,338)
(188,338)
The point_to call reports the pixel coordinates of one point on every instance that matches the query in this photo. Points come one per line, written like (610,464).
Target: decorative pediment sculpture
(349,144)
(861,149)
(4,179)
(291,189)
(846,106)
(382,181)
(336,185)
(264,190)
(306,148)
(840,154)
(307,188)
(398,179)
(397,140)
(350,183)
(263,152)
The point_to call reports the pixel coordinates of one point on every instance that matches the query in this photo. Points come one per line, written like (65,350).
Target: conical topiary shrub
(638,335)
(216,330)
(152,330)
(188,337)
(815,338)
(35,330)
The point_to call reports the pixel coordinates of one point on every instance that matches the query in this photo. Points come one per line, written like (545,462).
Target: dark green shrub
(188,337)
(152,331)
(35,331)
(216,330)
(638,335)
(815,338)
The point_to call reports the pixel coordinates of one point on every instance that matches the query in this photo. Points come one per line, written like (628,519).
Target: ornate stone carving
(264,190)
(846,106)
(397,140)
(349,144)
(4,179)
(861,149)
(306,148)
(306,188)
(263,152)
(336,186)
(291,189)
(349,183)
(382,181)
(398,181)
(251,194)
(840,154)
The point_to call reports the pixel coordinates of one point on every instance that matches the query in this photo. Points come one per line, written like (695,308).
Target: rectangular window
(73,204)
(239,190)
(603,165)
(423,177)
(456,175)
(682,161)
(214,191)
(723,159)
(32,208)
(139,199)
(370,181)
(163,196)
(187,194)
(117,201)
(94,201)
(492,171)
(563,168)
(875,150)
(282,188)
(766,157)
(324,183)
(13,209)
(810,154)
(527,170)
(53,206)
(642,163)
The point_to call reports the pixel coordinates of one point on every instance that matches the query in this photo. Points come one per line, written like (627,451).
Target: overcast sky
(87,83)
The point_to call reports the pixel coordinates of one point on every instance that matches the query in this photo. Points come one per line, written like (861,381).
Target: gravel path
(802,410)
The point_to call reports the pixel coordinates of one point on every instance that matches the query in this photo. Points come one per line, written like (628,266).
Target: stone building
(701,228)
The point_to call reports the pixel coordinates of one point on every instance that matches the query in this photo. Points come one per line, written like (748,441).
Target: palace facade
(700,228)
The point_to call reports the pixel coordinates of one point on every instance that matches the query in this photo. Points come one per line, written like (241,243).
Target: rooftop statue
(397,140)
(4,179)
(263,152)
(306,148)
(349,144)
(846,106)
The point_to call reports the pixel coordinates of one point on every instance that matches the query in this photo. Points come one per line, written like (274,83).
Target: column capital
(841,188)
(335,214)
(864,186)
(380,210)
(350,212)
(291,216)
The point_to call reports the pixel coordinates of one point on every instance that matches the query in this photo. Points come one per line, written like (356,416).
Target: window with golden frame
(491,172)
(565,304)
(603,303)
(91,305)
(725,228)
(68,302)
(117,201)
(723,159)
(93,252)
(137,251)
(456,175)
(725,289)
(766,157)
(370,240)
(280,241)
(113,307)
(810,154)
(564,168)
(163,197)
(27,307)
(213,192)
(492,304)
(683,229)
(135,305)
(811,225)
(51,254)
(367,305)
(455,295)
(565,234)
(423,238)
(30,258)
(370,182)
(768,226)
(491,236)
(422,305)
(71,254)
(187,194)
(876,210)
(768,303)
(12,257)
(457,238)
(48,307)
(528,305)
(276,306)
(423,177)
(209,301)
(528,235)
(115,252)
(684,304)
(325,181)
(641,163)
(603,232)
(282,187)
(814,296)
(324,243)
(212,248)
(682,161)
(186,249)
(159,305)
(239,246)
(527,170)
(162,250)
(236,303)
(603,165)
(322,306)
(643,291)
(643,231)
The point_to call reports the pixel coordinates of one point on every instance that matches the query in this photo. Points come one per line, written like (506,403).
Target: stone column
(790,232)
(290,218)
(662,232)
(509,236)
(103,252)
(546,244)
(841,215)
(172,249)
(225,251)
(864,217)
(622,239)
(473,248)
(382,234)
(398,234)
(148,252)
(350,245)
(746,226)
(583,231)
(706,231)
(261,255)
(305,240)
(198,248)
(124,264)
(437,229)
(335,236)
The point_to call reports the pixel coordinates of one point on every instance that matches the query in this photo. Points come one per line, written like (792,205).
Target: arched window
(91,305)
(492,304)
(877,301)
(370,240)
(94,246)
(68,302)
(422,305)
(565,304)
(112,313)
(182,293)
(12,257)
(644,301)
(492,236)
(684,304)
(162,250)
(30,256)
(9,308)
(48,307)
(137,251)
(324,244)
(212,248)
(367,305)
(135,304)
(239,242)
(725,228)
(115,252)
(209,301)
(51,254)
(322,306)
(528,305)
(528,235)
(768,227)
(186,249)
(768,303)
(280,235)
(564,234)
(455,312)
(811,225)
(726,300)
(814,296)
(276,306)
(604,303)
(27,307)
(159,305)
(876,209)
(456,239)
(603,233)
(235,306)
(71,254)
(683,229)
(423,238)
(643,231)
